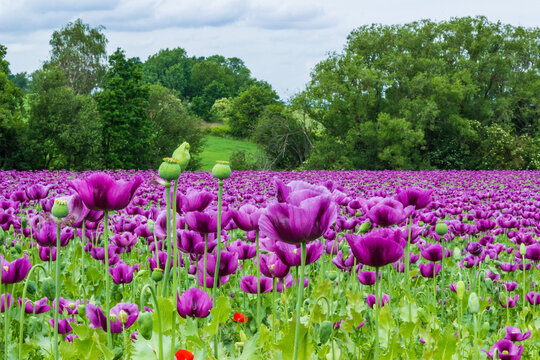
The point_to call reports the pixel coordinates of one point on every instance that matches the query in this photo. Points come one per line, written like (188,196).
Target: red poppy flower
(239,317)
(184,355)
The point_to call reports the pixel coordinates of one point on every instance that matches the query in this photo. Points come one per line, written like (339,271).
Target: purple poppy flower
(514,334)
(67,306)
(162,256)
(37,191)
(248,284)
(533,298)
(40,305)
(102,192)
(227,264)
(160,226)
(284,283)
(377,248)
(46,235)
(297,191)
(210,280)
(341,263)
(192,242)
(193,303)
(475,249)
(389,212)
(124,240)
(247,217)
(367,277)
(194,201)
(508,267)
(122,273)
(290,255)
(432,252)
(510,286)
(64,325)
(296,224)
(371,298)
(99,321)
(273,267)
(510,302)
(244,251)
(429,270)
(533,252)
(507,350)
(45,253)
(206,222)
(15,271)
(414,196)
(19,196)
(3,302)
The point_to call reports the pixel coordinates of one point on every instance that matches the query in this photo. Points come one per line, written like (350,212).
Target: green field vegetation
(217,148)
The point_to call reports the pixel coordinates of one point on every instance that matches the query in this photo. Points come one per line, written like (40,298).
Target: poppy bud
(182,155)
(48,287)
(145,325)
(460,289)
(32,287)
(441,229)
(60,209)
(489,283)
(71,306)
(522,249)
(82,309)
(457,254)
(474,304)
(18,248)
(157,275)
(24,222)
(150,225)
(326,331)
(123,316)
(332,275)
(221,170)
(364,228)
(169,169)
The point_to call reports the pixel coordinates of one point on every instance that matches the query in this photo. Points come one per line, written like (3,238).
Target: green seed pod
(457,254)
(48,287)
(364,228)
(182,155)
(441,228)
(221,170)
(157,275)
(169,169)
(332,275)
(460,289)
(32,287)
(60,209)
(474,303)
(145,325)
(326,331)
(123,316)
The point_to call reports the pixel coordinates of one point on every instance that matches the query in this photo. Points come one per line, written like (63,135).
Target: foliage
(80,51)
(444,86)
(219,148)
(123,103)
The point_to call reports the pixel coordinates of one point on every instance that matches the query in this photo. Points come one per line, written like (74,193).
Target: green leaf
(404,310)
(446,345)
(220,313)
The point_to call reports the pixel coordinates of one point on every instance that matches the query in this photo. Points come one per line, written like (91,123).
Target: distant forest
(457,94)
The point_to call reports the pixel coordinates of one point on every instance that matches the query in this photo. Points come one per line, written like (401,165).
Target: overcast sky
(279,40)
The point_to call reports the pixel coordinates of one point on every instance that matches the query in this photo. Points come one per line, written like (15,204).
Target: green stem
(57,296)
(83,273)
(107,276)
(218,256)
(407,267)
(274,291)
(299,301)
(175,264)
(524,281)
(158,314)
(475,337)
(258,282)
(23,306)
(6,321)
(377,299)
(204,262)
(168,241)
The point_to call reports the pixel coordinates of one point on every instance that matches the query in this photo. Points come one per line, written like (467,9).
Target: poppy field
(269,265)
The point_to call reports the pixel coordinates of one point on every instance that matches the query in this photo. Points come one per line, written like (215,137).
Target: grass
(217,148)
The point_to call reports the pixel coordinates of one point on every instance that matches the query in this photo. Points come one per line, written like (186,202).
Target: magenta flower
(244,251)
(533,252)
(474,248)
(40,305)
(510,302)
(67,306)
(296,224)
(290,255)
(64,325)
(37,191)
(507,350)
(247,217)
(248,284)
(514,334)
(414,196)
(429,270)
(533,298)
(227,264)
(122,273)
(192,242)
(102,192)
(367,277)
(371,298)
(377,248)
(46,235)
(99,321)
(3,302)
(206,222)
(297,191)
(432,252)
(15,271)
(194,302)
(194,201)
(273,267)
(389,212)
(45,253)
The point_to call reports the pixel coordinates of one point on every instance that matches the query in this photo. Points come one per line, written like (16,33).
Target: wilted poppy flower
(40,305)
(377,248)
(239,317)
(248,284)
(514,334)
(296,224)
(102,192)
(371,300)
(414,196)
(15,271)
(184,355)
(389,212)
(193,303)
(507,350)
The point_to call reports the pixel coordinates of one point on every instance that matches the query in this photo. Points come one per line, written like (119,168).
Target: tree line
(457,94)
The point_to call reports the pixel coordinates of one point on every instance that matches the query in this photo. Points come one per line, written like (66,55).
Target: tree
(63,127)
(80,52)
(123,104)
(11,124)
(171,69)
(246,108)
(172,124)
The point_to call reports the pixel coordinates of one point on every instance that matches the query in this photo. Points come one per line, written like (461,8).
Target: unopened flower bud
(460,289)
(441,229)
(221,170)
(150,225)
(169,169)
(457,254)
(157,275)
(60,209)
(474,303)
(522,249)
(24,222)
(182,155)
(332,275)
(364,228)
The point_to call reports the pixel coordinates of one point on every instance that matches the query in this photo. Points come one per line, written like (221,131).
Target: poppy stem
(158,314)
(82,261)
(57,296)
(23,305)
(6,321)
(299,301)
(167,246)
(377,299)
(107,276)
(258,282)
(407,267)
(175,263)
(218,257)
(204,262)
(274,290)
